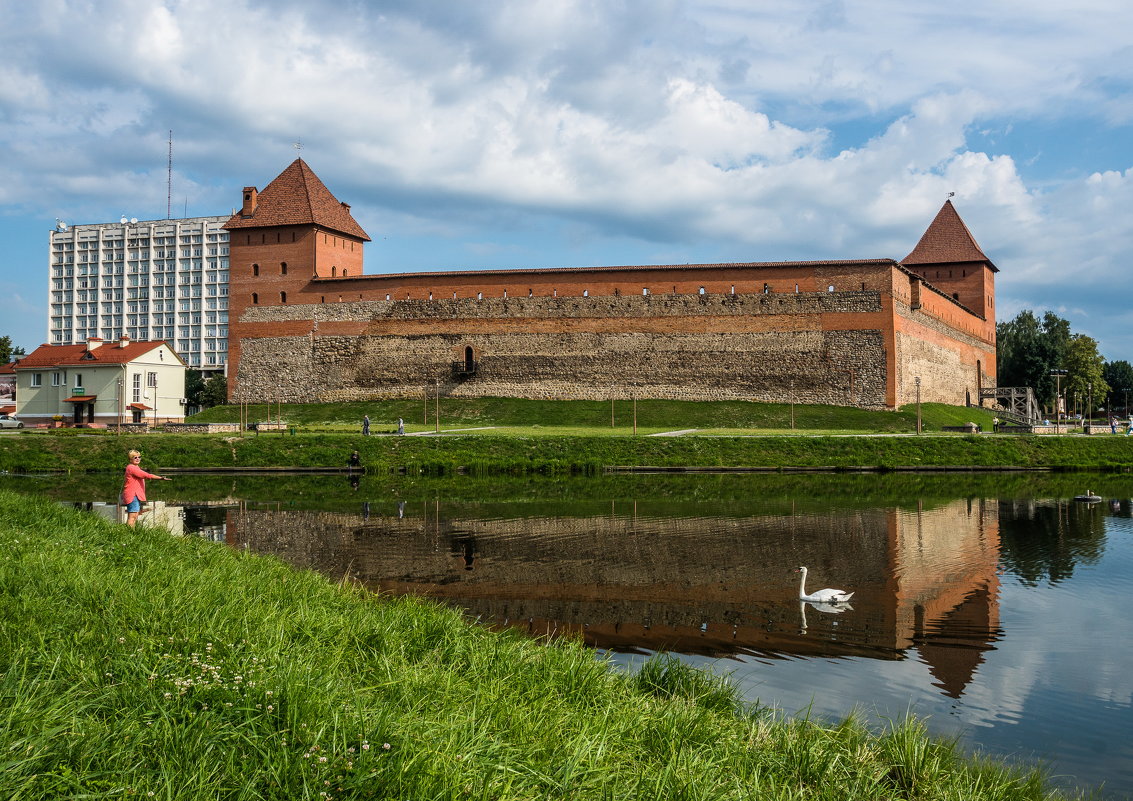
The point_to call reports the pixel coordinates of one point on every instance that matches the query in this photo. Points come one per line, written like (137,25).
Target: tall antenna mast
(169,181)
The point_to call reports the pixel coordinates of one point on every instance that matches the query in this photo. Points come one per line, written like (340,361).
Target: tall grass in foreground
(137,665)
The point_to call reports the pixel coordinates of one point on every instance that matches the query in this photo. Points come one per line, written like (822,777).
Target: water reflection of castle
(925,579)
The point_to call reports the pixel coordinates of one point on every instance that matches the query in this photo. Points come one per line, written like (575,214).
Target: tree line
(1044,354)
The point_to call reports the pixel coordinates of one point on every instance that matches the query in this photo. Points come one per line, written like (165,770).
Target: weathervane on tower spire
(298,147)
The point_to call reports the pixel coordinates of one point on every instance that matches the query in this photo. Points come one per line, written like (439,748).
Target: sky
(572,133)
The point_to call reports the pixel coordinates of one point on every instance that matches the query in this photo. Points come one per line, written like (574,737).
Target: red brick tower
(281,239)
(948,257)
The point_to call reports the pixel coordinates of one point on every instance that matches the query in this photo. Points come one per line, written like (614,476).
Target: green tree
(194,386)
(1084,367)
(8,351)
(215,392)
(1028,349)
(1119,376)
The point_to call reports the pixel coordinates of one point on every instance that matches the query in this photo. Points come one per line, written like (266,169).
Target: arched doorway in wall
(469,359)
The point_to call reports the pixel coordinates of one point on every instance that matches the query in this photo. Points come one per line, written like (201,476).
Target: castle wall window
(255,269)
(586,293)
(766,288)
(387,296)
(255,298)
(282,297)
(283,268)
(479,296)
(830,288)
(644,291)
(701,291)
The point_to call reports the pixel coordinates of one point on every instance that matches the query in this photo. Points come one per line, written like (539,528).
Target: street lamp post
(917,381)
(1057,394)
(1089,416)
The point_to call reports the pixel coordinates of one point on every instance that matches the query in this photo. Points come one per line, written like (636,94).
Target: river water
(996,608)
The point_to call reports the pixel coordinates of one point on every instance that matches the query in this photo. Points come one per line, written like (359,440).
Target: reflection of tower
(953,645)
(945,587)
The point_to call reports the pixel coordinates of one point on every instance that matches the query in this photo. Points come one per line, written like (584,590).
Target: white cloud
(789,131)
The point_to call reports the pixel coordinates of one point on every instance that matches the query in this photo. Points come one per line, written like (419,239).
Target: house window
(137,387)
(78,379)
(56,379)
(37,379)
(151,379)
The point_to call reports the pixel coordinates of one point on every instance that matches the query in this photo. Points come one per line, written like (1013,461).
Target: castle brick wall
(809,348)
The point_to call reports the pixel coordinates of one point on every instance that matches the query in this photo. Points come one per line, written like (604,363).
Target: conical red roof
(947,241)
(298,197)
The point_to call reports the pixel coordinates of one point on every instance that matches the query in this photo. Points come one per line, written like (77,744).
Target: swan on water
(826,596)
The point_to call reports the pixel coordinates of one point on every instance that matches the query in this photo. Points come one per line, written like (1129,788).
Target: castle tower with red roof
(948,257)
(281,239)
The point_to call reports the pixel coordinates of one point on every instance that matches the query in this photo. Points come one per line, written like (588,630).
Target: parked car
(7,421)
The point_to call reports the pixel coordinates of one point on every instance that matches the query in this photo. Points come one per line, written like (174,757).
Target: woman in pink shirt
(134,489)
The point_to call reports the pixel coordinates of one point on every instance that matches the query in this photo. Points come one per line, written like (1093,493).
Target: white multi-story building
(151,280)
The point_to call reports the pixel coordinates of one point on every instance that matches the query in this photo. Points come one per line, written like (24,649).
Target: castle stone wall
(756,347)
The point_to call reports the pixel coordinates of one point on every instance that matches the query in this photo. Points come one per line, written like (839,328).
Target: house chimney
(345,206)
(123,341)
(93,342)
(251,198)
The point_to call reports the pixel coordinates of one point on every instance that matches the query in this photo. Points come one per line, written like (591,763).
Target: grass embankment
(135,664)
(496,454)
(599,418)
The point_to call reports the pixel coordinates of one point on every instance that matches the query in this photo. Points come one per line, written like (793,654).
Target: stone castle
(307,324)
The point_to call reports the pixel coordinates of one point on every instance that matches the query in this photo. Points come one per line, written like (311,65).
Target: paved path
(445,431)
(679,433)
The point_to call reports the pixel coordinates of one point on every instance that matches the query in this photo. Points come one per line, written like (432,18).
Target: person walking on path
(366,426)
(134,487)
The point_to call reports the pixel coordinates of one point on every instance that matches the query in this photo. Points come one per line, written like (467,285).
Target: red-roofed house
(101,383)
